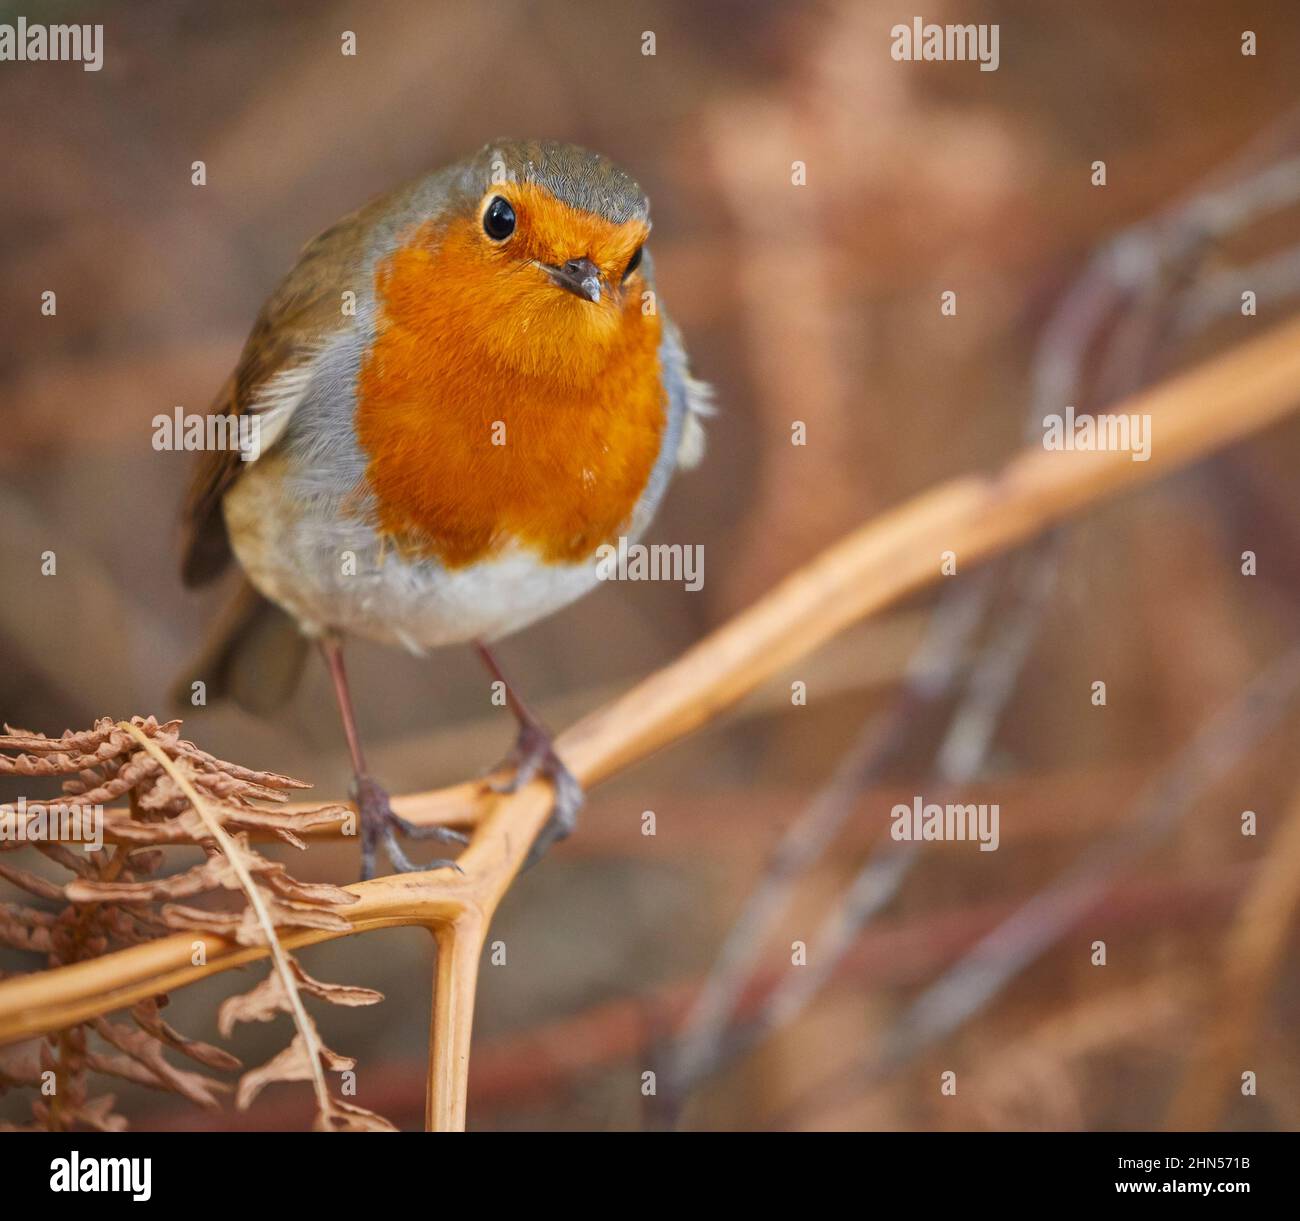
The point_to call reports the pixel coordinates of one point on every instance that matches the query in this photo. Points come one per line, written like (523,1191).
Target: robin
(460,393)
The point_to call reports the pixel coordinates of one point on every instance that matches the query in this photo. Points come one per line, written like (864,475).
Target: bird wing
(272,377)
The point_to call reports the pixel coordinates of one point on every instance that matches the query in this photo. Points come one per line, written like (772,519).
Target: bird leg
(533,754)
(379,825)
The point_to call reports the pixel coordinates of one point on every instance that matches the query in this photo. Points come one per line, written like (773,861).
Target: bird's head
(542,264)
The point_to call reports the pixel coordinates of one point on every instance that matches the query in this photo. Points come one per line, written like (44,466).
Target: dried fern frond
(175,795)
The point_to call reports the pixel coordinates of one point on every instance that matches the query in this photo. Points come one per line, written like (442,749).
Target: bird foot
(379,825)
(532,755)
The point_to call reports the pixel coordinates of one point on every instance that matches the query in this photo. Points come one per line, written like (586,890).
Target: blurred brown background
(815,303)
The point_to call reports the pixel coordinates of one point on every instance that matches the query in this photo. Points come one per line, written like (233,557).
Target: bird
(461,392)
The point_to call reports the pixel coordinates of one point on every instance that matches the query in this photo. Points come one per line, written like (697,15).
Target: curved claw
(379,825)
(444,835)
(403,864)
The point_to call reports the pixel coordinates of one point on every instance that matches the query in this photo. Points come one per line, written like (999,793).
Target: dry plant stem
(1251,955)
(460,946)
(1201,411)
(254,896)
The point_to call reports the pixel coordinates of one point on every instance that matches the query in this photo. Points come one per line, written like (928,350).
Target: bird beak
(578,276)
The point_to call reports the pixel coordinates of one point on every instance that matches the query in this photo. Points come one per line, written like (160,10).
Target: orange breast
(495,407)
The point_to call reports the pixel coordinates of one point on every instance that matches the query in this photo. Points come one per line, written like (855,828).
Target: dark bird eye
(499,220)
(634,263)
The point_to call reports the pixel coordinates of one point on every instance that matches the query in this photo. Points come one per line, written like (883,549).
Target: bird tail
(254,656)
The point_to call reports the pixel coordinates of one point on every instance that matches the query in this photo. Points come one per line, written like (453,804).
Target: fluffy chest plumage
(334,572)
(479,440)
